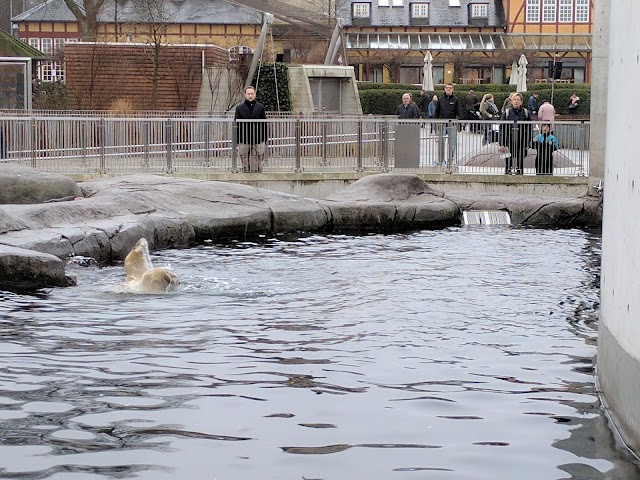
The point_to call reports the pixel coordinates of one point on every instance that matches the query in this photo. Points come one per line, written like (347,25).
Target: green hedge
(383,98)
(266,81)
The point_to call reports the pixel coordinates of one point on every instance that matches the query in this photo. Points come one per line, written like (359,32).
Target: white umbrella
(522,74)
(513,79)
(427,79)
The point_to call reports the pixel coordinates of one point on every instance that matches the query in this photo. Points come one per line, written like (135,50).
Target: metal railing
(200,145)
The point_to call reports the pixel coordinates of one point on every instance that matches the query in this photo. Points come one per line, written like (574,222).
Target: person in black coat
(514,138)
(423,103)
(448,104)
(251,135)
(448,107)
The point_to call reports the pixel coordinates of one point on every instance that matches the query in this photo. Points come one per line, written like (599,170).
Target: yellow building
(472,41)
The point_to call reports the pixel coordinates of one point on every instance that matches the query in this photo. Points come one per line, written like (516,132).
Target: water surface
(466,353)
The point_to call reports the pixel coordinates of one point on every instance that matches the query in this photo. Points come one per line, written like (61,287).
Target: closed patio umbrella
(513,79)
(522,74)
(427,79)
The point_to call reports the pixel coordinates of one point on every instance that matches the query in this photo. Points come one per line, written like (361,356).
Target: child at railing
(545,144)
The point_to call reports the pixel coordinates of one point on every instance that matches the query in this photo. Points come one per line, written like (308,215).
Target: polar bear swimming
(143,276)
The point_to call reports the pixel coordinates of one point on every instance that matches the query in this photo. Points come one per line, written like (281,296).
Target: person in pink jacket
(547,114)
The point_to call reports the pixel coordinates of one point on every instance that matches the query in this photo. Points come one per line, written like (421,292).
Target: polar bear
(142,274)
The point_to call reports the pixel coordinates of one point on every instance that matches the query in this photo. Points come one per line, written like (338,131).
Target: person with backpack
(489,111)
(514,138)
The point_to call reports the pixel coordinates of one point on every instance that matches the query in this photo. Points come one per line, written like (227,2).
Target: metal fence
(200,145)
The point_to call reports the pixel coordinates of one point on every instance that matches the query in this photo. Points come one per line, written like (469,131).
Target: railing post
(207,140)
(234,147)
(85,128)
(146,142)
(324,143)
(452,145)
(168,132)
(384,146)
(359,167)
(102,140)
(34,140)
(298,146)
(582,148)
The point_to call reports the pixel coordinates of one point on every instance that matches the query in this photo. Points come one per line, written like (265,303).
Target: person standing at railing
(431,111)
(407,109)
(489,111)
(545,144)
(532,104)
(251,135)
(448,107)
(547,114)
(514,138)
(423,103)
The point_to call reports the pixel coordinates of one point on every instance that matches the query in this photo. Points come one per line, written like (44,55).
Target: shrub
(265,79)
(383,98)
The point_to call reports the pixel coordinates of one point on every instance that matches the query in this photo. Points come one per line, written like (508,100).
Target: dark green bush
(383,98)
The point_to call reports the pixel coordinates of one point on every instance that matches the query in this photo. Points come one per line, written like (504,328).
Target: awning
(485,42)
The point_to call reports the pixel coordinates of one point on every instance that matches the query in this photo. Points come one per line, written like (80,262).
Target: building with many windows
(472,41)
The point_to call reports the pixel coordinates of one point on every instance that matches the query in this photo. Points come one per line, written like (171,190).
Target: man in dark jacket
(251,135)
(423,103)
(448,107)
(448,104)
(407,109)
(514,138)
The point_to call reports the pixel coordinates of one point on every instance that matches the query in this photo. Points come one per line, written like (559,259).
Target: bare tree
(86,14)
(154,18)
(391,60)
(184,72)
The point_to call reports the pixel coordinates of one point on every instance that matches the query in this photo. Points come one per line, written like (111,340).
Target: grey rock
(390,202)
(21,185)
(25,269)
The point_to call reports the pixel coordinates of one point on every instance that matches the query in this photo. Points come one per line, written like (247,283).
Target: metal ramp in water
(487,217)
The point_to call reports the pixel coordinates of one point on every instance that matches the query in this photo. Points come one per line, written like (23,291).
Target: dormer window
(479,10)
(361,10)
(420,10)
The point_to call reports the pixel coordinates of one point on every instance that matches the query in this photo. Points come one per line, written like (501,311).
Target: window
(549,11)
(533,11)
(46,45)
(565,11)
(383,3)
(35,43)
(46,72)
(420,10)
(361,10)
(58,45)
(479,10)
(582,11)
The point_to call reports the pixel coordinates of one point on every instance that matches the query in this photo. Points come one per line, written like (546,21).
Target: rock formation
(50,218)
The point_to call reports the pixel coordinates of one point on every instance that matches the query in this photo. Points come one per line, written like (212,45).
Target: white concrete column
(599,89)
(619,327)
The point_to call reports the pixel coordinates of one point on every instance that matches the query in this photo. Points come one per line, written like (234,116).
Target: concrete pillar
(619,327)
(599,90)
